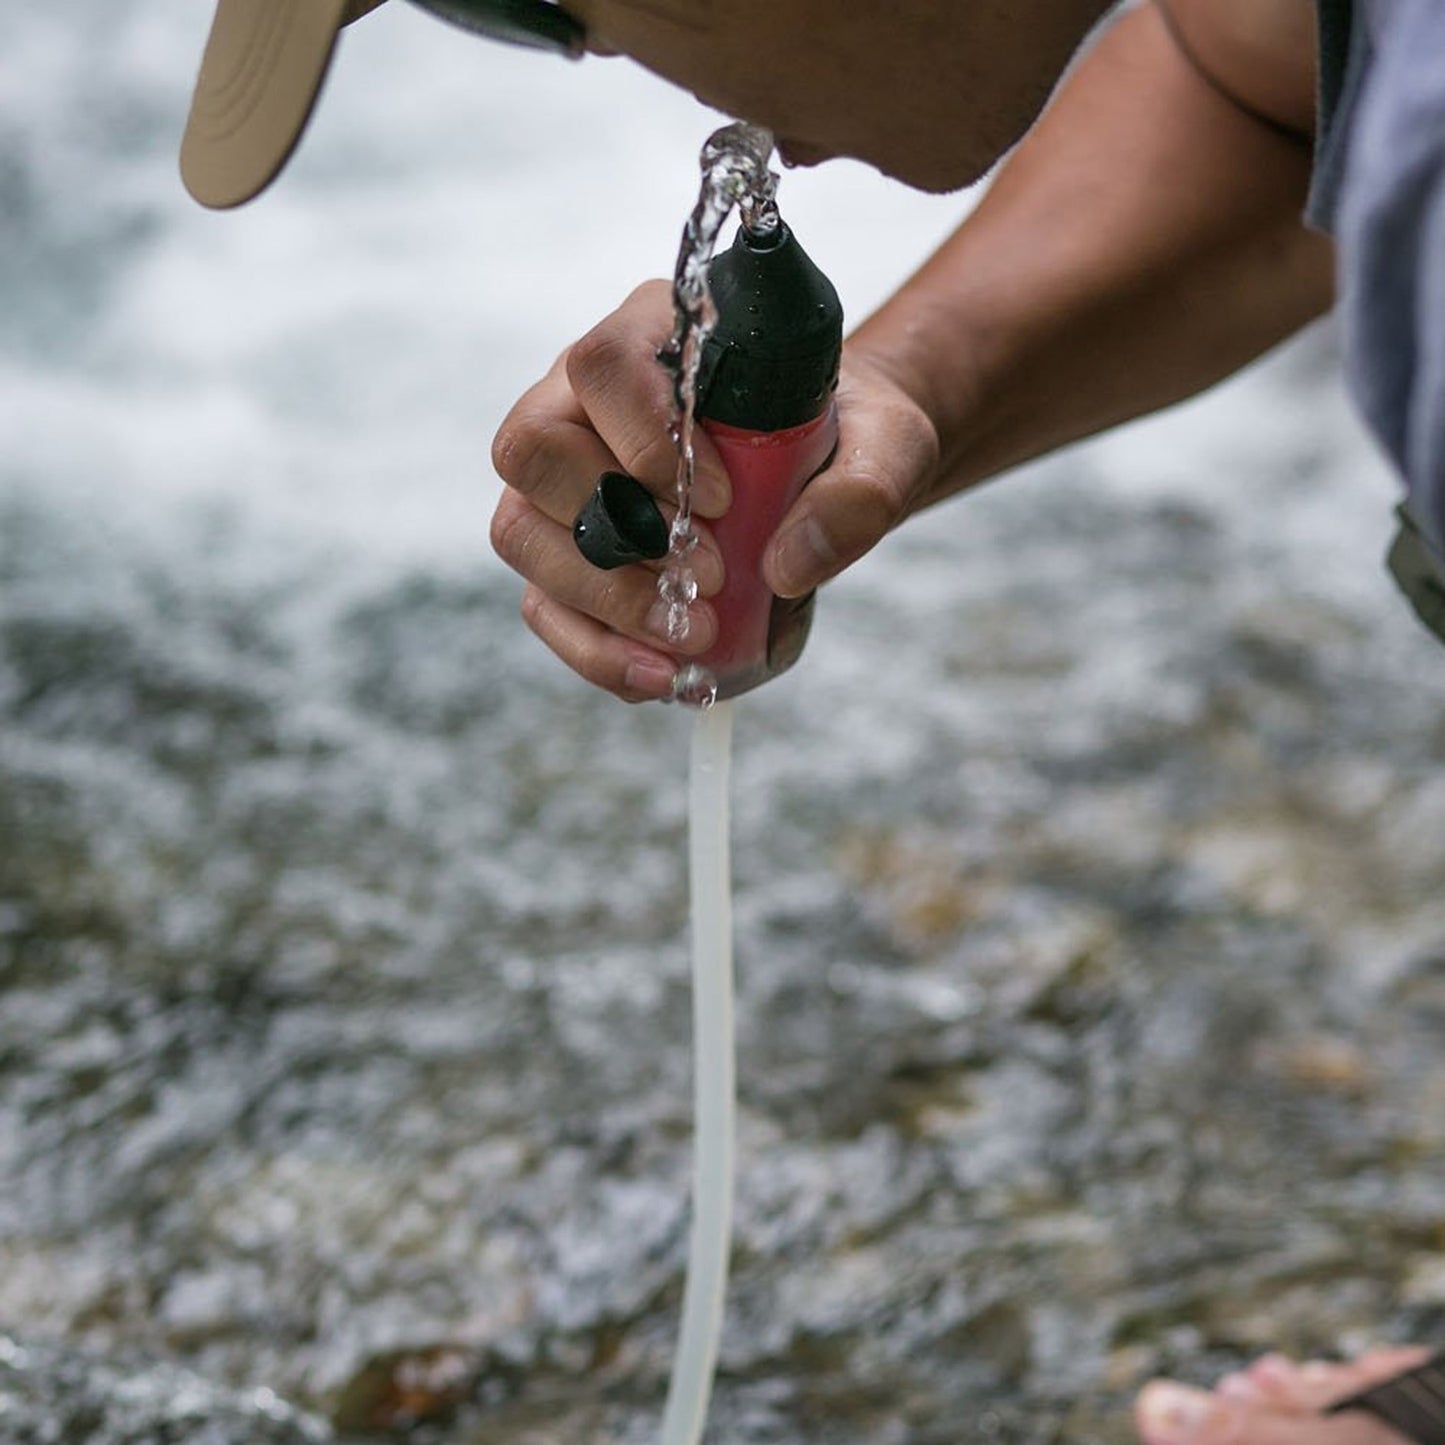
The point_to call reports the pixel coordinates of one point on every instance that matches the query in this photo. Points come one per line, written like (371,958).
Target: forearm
(1143,242)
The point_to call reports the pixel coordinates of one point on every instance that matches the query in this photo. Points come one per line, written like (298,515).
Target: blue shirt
(1379,187)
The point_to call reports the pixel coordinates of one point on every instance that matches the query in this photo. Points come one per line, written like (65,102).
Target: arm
(1144,241)
(1141,243)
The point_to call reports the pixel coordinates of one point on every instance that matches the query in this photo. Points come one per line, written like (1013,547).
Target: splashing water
(734,163)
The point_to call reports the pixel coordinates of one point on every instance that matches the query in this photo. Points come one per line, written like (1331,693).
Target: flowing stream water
(1091,987)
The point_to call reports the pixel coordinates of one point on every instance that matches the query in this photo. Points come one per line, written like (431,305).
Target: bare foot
(1273,1402)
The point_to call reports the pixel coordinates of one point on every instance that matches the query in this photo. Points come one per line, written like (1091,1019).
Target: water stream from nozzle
(734,164)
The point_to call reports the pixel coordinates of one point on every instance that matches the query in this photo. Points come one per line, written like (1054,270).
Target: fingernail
(1172,1413)
(802,557)
(650,675)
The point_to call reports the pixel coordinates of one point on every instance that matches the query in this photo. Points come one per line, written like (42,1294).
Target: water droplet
(694,686)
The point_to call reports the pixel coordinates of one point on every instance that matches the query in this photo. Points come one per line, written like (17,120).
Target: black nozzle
(772,362)
(621,523)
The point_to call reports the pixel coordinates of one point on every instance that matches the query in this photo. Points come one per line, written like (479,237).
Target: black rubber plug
(620,524)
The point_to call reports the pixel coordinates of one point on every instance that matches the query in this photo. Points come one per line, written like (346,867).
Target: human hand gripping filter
(766,386)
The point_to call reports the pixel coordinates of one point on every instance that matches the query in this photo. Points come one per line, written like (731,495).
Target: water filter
(765,398)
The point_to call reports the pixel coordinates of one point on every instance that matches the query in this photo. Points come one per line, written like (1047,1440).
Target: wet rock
(428,656)
(1332,1064)
(414,1387)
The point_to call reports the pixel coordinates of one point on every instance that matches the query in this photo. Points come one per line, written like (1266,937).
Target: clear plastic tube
(714,1093)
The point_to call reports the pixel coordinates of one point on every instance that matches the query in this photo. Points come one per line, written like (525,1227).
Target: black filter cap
(772,362)
(621,523)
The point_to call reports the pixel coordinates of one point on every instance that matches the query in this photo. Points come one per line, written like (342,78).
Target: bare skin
(1274,1402)
(860,80)
(1142,242)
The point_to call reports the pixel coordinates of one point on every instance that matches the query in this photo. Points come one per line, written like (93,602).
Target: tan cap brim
(264,64)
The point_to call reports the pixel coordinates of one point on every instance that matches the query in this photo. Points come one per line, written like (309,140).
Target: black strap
(1412,1403)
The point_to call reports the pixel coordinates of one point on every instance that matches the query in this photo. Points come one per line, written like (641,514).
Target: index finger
(627,395)
(547,449)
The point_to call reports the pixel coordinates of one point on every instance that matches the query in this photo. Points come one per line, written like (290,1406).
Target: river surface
(1090,867)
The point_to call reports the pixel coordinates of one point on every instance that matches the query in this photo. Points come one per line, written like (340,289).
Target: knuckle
(877,494)
(508,450)
(526,449)
(922,439)
(913,438)
(651,455)
(644,444)
(613,371)
(594,362)
(593,664)
(513,533)
(886,476)
(653,296)
(612,602)
(604,596)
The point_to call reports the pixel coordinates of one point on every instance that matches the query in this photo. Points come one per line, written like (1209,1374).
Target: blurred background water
(1091,927)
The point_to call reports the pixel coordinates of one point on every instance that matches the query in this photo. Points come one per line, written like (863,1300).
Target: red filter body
(768,470)
(765,398)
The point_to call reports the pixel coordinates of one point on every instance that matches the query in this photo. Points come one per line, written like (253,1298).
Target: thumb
(887,457)
(1171,1414)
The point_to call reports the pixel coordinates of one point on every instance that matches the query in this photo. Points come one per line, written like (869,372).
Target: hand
(885,468)
(607,405)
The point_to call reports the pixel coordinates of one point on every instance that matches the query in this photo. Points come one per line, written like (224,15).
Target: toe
(1278,1380)
(1319,1383)
(1284,1384)
(1168,1413)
